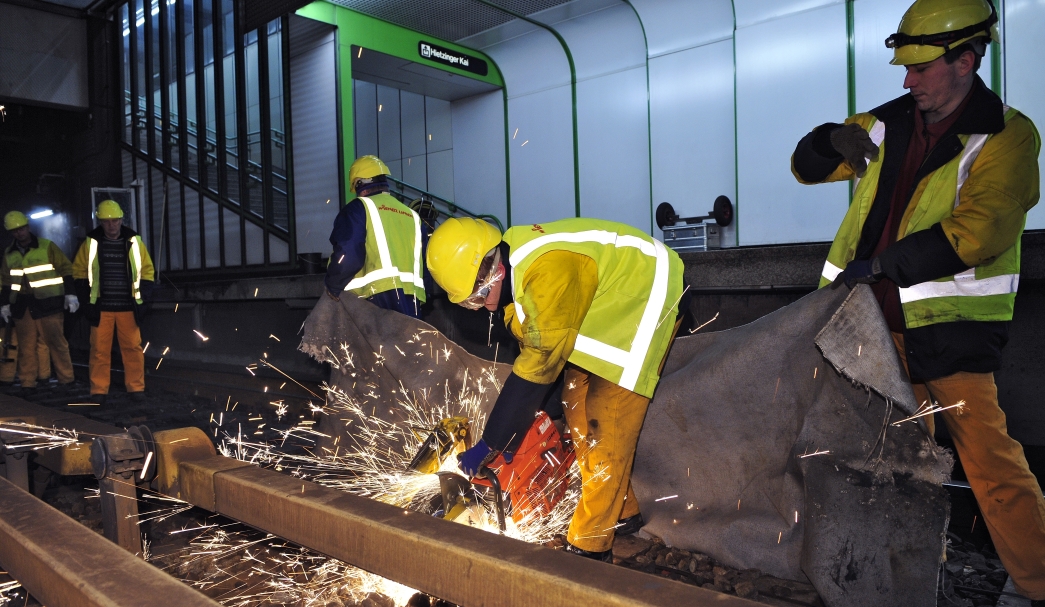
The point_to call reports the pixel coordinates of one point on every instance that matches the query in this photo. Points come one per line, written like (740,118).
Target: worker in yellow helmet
(36,285)
(597,298)
(377,244)
(946,175)
(115,275)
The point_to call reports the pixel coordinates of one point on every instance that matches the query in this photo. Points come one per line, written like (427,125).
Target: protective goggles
(944,39)
(490,271)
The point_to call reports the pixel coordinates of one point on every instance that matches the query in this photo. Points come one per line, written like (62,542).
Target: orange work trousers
(1007,492)
(43,360)
(130,339)
(49,330)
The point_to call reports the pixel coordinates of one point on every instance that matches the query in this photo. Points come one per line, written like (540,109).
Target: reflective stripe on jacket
(984,292)
(628,327)
(35,271)
(393,250)
(137,258)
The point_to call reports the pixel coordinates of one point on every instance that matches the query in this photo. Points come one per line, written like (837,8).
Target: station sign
(445,56)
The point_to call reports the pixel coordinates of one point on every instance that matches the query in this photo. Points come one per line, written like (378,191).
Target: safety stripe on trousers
(387,269)
(630,361)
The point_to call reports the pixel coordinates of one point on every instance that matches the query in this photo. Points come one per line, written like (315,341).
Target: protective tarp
(772,446)
(766,446)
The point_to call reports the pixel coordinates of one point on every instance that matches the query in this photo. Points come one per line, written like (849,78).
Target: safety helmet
(109,209)
(455,252)
(930,28)
(366,167)
(14,220)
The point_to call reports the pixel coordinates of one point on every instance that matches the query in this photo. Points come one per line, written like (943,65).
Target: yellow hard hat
(366,167)
(14,220)
(930,28)
(109,209)
(455,251)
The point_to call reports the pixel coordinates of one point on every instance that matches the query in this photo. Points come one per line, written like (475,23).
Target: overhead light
(41,214)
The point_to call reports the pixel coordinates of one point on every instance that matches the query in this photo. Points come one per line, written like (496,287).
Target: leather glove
(72,304)
(5,312)
(475,458)
(855,145)
(861,271)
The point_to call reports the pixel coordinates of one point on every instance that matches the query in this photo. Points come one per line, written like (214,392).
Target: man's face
(111,227)
(22,236)
(936,83)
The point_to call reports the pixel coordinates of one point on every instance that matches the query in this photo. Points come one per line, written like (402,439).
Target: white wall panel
(691,95)
(612,130)
(751,12)
(415,171)
(675,25)
(603,42)
(438,122)
(233,254)
(255,244)
(531,63)
(43,57)
(388,132)
(876,80)
(412,119)
(541,153)
(1024,84)
(365,108)
(788,82)
(479,155)
(441,174)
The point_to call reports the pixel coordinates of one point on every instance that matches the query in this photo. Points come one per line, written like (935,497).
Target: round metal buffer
(723,211)
(665,215)
(99,458)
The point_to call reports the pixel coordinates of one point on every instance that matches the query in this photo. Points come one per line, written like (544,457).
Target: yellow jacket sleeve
(558,287)
(61,263)
(80,268)
(993,203)
(148,271)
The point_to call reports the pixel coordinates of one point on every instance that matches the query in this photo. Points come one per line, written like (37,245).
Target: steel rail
(454,562)
(64,564)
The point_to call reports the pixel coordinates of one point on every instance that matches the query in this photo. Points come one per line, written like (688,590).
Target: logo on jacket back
(537,228)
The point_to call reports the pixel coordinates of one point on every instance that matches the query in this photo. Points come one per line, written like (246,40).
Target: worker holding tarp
(377,244)
(944,177)
(598,298)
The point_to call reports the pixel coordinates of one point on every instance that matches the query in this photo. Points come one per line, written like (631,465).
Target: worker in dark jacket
(946,175)
(377,244)
(37,286)
(114,272)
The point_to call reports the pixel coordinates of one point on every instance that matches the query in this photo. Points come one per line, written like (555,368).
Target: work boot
(606,556)
(630,525)
(98,399)
(137,397)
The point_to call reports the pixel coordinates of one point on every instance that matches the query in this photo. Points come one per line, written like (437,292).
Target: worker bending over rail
(598,298)
(945,177)
(377,244)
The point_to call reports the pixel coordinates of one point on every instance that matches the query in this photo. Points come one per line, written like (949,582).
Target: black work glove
(854,144)
(861,271)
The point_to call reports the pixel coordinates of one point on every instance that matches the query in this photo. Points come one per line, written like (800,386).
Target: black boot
(605,556)
(630,525)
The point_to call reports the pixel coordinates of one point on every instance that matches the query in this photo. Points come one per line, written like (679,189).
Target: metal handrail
(452,208)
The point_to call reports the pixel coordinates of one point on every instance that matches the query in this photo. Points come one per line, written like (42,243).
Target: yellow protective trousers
(1007,492)
(51,331)
(130,338)
(43,360)
(604,420)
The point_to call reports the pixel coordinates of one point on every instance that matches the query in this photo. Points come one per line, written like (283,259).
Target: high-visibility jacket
(987,290)
(39,272)
(393,250)
(87,265)
(628,327)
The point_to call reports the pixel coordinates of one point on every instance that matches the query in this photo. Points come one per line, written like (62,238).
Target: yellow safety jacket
(393,250)
(956,196)
(38,272)
(87,266)
(628,327)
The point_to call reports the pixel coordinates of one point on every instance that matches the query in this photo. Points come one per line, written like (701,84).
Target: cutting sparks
(201,335)
(933,409)
(665,498)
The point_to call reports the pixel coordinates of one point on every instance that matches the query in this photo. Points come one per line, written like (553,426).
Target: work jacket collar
(983,114)
(99,233)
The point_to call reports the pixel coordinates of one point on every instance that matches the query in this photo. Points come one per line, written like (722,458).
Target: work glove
(72,304)
(861,271)
(472,460)
(855,145)
(5,312)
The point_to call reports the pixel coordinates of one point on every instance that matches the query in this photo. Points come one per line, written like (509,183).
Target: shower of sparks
(805,455)
(933,409)
(201,335)
(713,319)
(38,438)
(6,587)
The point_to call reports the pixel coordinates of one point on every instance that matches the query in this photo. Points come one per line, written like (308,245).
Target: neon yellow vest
(134,258)
(984,293)
(628,328)
(393,250)
(35,271)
